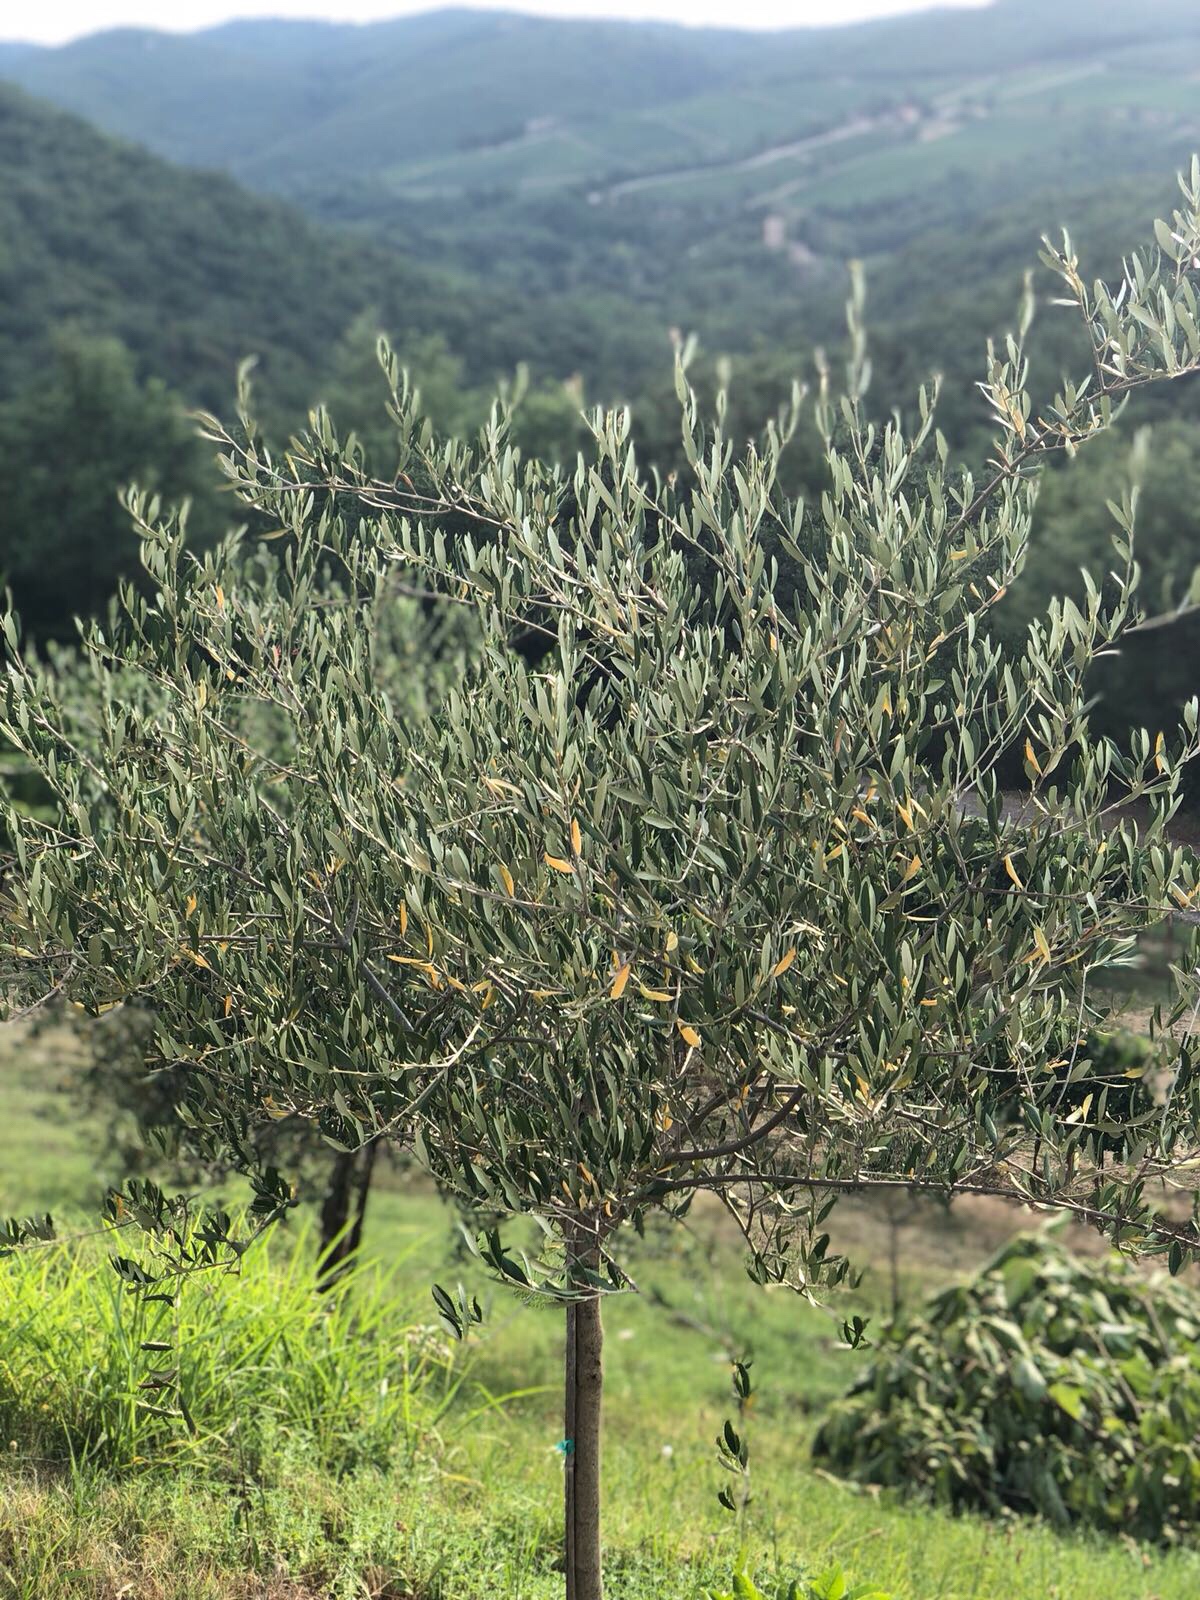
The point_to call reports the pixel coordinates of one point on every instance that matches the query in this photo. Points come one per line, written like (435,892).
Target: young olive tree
(683,888)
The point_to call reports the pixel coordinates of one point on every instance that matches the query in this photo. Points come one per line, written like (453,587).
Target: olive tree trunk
(349,1188)
(584,1389)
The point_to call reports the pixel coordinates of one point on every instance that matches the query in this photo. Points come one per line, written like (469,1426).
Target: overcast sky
(54,21)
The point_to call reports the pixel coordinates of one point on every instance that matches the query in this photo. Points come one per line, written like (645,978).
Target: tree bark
(340,1240)
(584,1389)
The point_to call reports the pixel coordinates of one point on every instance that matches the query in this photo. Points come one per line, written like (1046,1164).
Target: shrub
(830,1585)
(1047,1384)
(241,1368)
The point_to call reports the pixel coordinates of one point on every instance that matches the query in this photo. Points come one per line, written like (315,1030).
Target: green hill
(454,101)
(718,179)
(190,271)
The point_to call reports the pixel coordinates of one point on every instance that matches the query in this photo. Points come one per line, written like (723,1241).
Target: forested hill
(455,99)
(192,272)
(717,180)
(131,289)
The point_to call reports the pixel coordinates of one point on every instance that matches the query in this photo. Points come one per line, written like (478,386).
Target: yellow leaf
(202,694)
(228,1004)
(1043,944)
(688,1035)
(576,838)
(194,955)
(1159,764)
(619,982)
(428,940)
(403,919)
(905,815)
(506,878)
(660,995)
(220,598)
(558,863)
(911,870)
(783,963)
(1031,758)
(191,905)
(1012,872)
(672,942)
(860,815)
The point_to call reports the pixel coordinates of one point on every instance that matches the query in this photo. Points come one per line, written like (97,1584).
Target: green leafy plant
(733,1448)
(1048,1384)
(831,1584)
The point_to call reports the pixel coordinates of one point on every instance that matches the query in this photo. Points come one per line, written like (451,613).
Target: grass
(339,1490)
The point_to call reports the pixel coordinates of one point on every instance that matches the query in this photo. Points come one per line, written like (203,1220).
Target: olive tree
(687,887)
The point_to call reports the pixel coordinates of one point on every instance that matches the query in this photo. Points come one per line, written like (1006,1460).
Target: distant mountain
(719,179)
(454,101)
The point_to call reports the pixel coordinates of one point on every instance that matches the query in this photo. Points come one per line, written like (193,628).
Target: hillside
(192,272)
(537,103)
(717,179)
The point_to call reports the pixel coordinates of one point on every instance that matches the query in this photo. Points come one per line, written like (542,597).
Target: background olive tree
(700,881)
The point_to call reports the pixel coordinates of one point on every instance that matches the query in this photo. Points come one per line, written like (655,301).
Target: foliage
(829,1585)
(1152,675)
(418,655)
(1048,1383)
(73,438)
(234,1371)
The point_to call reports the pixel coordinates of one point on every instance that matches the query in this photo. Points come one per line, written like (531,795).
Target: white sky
(54,21)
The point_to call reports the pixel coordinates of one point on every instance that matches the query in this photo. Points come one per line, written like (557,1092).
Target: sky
(56,21)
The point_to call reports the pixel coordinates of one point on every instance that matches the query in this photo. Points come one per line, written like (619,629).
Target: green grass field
(467,1504)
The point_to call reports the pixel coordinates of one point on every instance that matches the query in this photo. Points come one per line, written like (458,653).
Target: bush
(830,1585)
(1048,1384)
(240,1370)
